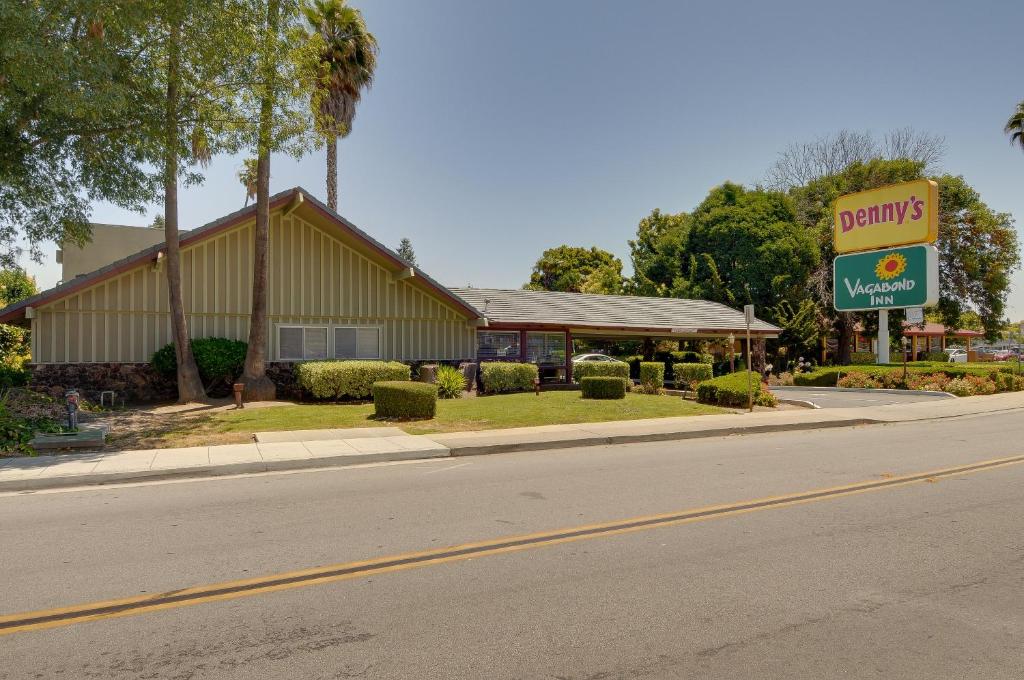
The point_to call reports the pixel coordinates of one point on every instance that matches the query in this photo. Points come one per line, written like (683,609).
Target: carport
(539,326)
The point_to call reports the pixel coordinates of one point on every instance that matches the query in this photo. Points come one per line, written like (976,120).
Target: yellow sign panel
(894,215)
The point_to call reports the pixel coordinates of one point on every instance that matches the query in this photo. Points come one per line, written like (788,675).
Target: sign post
(748,315)
(886,259)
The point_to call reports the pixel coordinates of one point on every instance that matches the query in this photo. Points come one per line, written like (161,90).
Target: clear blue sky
(498,129)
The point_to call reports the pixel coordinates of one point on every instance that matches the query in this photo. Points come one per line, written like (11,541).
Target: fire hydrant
(71,404)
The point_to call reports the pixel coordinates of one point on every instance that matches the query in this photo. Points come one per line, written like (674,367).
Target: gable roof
(16,311)
(621,312)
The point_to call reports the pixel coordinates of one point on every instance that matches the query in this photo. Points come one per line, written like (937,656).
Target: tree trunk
(190,387)
(844,323)
(332,172)
(258,387)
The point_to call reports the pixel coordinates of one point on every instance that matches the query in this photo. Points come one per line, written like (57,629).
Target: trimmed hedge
(652,376)
(863,358)
(729,390)
(585,369)
(507,376)
(603,387)
(829,375)
(691,374)
(334,379)
(401,399)
(220,362)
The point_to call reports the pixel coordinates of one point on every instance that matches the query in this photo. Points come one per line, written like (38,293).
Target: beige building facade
(333,293)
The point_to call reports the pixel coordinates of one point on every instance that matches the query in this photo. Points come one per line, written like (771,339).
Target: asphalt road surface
(752,558)
(840,398)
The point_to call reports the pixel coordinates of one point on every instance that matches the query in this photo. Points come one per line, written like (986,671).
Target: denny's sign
(894,215)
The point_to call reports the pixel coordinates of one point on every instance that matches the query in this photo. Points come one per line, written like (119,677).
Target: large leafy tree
(279,121)
(347,61)
(72,85)
(656,253)
(745,246)
(1015,126)
(573,269)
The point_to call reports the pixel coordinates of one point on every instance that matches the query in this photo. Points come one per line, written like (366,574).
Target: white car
(594,356)
(957,356)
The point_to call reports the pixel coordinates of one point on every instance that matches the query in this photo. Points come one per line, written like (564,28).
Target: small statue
(71,399)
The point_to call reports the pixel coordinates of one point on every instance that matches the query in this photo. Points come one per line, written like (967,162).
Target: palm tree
(1015,126)
(247,176)
(347,61)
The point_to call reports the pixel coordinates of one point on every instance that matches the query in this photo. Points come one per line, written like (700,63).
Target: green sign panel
(887,279)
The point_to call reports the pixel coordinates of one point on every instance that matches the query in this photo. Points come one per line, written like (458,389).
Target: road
(839,398)
(908,577)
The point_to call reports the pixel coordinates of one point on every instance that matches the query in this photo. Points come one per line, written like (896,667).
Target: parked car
(594,356)
(957,356)
(1006,355)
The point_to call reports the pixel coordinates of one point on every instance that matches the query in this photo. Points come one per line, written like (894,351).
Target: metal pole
(883,336)
(750,372)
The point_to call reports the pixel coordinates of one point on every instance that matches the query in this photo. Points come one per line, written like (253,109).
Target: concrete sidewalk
(328,448)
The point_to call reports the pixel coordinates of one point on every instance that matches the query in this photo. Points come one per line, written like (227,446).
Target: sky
(495,130)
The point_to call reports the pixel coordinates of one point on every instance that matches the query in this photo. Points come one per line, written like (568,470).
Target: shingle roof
(611,311)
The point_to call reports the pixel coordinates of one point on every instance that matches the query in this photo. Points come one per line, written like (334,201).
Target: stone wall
(133,383)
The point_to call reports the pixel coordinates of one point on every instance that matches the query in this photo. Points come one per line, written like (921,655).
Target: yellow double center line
(229,590)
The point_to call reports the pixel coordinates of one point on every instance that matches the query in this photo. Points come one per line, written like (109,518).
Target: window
(297,343)
(357,343)
(546,348)
(493,345)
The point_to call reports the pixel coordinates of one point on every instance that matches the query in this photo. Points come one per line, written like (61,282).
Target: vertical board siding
(314,277)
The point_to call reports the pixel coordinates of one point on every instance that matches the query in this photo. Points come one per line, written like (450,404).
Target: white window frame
(331,345)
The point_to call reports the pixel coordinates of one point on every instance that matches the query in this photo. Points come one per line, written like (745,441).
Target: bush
(691,374)
(13,376)
(766,398)
(220,362)
(506,376)
(586,369)
(862,358)
(603,387)
(450,382)
(823,377)
(1006,382)
(652,377)
(22,414)
(347,379)
(934,382)
(940,357)
(401,399)
(961,387)
(859,380)
(729,390)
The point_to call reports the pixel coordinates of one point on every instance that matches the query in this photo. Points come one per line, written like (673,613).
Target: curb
(205,471)
(478,450)
(803,403)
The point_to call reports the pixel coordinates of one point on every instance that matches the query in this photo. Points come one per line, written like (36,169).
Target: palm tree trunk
(258,387)
(190,387)
(332,172)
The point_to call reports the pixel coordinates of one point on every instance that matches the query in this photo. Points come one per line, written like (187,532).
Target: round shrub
(652,377)
(603,387)
(450,382)
(219,360)
(729,390)
(402,399)
(689,374)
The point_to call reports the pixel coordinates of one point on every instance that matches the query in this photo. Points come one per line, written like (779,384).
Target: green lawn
(477,413)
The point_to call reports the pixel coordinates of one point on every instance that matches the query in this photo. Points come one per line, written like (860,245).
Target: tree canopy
(656,253)
(577,270)
(745,247)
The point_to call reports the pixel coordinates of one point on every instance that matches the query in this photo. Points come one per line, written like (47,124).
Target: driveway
(835,397)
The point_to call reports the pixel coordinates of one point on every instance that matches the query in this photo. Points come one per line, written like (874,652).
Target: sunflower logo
(890,266)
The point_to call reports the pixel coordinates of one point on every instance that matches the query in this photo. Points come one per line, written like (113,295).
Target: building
(334,292)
